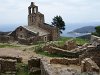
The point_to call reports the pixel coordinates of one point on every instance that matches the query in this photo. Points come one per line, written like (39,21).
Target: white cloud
(15,11)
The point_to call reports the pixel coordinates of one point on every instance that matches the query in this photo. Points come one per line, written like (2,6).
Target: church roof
(36,30)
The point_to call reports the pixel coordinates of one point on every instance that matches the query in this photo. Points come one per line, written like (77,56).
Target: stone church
(37,29)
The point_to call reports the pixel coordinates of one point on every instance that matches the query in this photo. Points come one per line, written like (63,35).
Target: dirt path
(17,52)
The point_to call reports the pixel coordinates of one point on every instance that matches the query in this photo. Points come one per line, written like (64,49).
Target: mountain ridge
(85,29)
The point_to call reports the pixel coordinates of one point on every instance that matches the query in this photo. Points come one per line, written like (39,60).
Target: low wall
(89,65)
(18,59)
(95,40)
(97,60)
(47,69)
(66,53)
(64,61)
(43,67)
(4,39)
(92,52)
(7,65)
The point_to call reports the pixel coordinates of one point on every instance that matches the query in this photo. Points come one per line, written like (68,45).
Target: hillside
(3,33)
(86,29)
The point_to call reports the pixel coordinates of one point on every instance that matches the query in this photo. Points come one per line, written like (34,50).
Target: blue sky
(72,11)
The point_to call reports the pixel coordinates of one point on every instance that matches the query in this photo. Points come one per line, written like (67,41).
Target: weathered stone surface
(95,40)
(18,59)
(89,65)
(7,65)
(47,69)
(34,65)
(71,44)
(91,51)
(65,61)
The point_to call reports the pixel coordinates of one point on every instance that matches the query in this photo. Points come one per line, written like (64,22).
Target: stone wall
(71,44)
(42,66)
(4,39)
(62,52)
(91,52)
(89,65)
(95,40)
(34,66)
(64,61)
(96,60)
(47,69)
(18,59)
(7,66)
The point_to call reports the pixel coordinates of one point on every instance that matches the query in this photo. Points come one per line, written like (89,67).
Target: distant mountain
(4,33)
(86,29)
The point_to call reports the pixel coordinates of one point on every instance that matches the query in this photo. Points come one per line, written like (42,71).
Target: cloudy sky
(72,11)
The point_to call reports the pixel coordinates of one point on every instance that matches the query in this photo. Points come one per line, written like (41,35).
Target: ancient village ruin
(75,60)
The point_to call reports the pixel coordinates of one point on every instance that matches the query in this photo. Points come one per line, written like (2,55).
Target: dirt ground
(17,52)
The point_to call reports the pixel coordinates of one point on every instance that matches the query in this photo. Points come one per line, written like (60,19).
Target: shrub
(97,33)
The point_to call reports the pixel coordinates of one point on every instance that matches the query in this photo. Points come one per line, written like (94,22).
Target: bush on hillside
(97,33)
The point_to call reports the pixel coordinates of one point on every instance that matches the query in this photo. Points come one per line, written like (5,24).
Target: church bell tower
(35,18)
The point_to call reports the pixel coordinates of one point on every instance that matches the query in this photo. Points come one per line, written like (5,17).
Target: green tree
(59,23)
(97,33)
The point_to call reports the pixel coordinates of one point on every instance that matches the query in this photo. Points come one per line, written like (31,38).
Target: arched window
(45,38)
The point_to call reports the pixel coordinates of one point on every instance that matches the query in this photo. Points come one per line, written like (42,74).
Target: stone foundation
(18,59)
(7,66)
(89,65)
(37,65)
(34,65)
(64,61)
(95,40)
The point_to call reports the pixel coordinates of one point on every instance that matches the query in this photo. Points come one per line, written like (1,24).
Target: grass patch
(80,41)
(7,45)
(22,69)
(39,50)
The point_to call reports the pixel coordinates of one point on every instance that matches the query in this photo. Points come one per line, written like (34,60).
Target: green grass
(39,50)
(22,69)
(80,41)
(49,55)
(7,45)
(62,40)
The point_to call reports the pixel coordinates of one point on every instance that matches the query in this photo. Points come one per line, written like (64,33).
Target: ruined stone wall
(95,40)
(7,65)
(65,61)
(71,44)
(59,51)
(89,65)
(18,59)
(96,60)
(4,39)
(37,64)
(91,52)
(47,69)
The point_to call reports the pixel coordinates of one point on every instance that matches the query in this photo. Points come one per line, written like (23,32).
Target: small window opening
(20,29)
